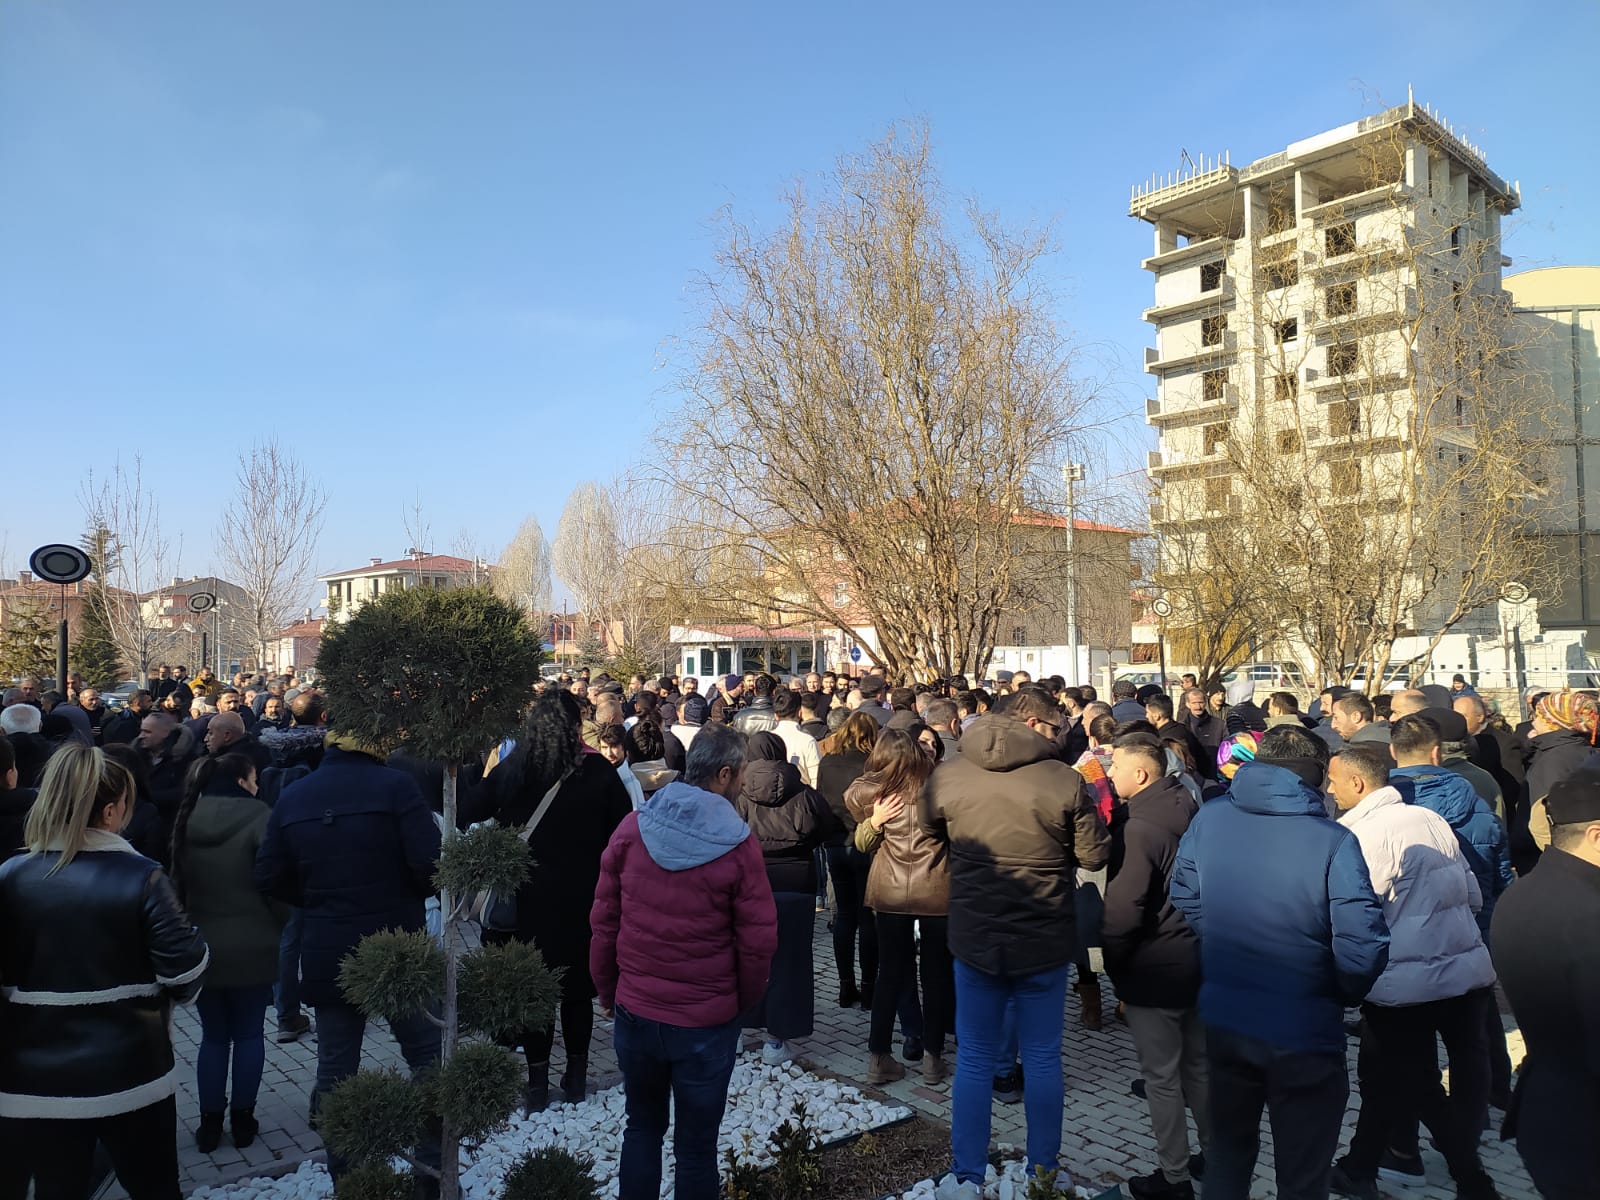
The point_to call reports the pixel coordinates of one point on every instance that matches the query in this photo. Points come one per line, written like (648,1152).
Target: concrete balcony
(1155,365)
(1158,412)
(1194,252)
(1215,299)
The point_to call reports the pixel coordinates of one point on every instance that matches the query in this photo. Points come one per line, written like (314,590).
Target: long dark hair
(551,745)
(644,742)
(897,764)
(206,772)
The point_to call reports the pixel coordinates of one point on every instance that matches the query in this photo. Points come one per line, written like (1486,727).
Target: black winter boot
(537,1097)
(245,1126)
(209,1136)
(575,1082)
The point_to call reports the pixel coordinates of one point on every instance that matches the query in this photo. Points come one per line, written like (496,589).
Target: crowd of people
(1258,884)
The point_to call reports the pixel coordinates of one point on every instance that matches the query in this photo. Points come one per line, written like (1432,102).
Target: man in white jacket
(800,745)
(1437,982)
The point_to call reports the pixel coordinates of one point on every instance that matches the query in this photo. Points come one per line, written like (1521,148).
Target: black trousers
(1305,1095)
(577,1024)
(1399,1072)
(142,1145)
(852,919)
(897,967)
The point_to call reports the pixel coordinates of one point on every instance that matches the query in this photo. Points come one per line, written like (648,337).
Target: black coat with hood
(788,819)
(15,804)
(1151,953)
(1020,823)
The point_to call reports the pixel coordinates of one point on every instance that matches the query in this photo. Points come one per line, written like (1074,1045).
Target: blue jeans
(981,1001)
(287,993)
(1007,1058)
(340,1030)
(691,1067)
(231,1018)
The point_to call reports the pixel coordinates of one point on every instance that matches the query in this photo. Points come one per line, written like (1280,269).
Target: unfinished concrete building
(1324,318)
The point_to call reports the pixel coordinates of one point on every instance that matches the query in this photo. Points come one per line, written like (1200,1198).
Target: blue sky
(444,251)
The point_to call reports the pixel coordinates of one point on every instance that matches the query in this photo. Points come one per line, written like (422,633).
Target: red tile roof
(447,564)
(304,629)
(754,633)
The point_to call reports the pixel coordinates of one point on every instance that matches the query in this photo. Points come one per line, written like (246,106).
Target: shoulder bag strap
(544,807)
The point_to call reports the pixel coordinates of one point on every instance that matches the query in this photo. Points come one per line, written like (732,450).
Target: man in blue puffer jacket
(1290,934)
(1484,842)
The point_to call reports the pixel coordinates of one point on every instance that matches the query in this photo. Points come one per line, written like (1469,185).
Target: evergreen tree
(92,651)
(443,673)
(28,641)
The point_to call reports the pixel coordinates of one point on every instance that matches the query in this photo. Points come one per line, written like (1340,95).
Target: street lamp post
(1072,473)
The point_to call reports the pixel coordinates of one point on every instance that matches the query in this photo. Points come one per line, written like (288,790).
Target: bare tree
(875,400)
(136,559)
(586,551)
(266,539)
(522,576)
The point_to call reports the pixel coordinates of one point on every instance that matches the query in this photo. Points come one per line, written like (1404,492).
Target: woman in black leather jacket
(94,950)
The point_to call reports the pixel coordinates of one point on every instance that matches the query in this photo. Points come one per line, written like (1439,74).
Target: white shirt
(802,748)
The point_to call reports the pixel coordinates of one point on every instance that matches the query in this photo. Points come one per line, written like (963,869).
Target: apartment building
(1313,311)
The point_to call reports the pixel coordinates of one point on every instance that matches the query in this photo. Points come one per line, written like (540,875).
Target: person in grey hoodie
(684,929)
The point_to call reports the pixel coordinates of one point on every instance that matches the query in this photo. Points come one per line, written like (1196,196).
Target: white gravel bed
(759,1100)
(1009,1184)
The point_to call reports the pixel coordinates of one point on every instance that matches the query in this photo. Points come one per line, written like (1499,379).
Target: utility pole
(1072,473)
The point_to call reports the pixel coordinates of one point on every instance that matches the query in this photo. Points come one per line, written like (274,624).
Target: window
(1212,329)
(1455,239)
(1343,358)
(725,661)
(841,593)
(1210,277)
(1281,271)
(1344,418)
(1289,441)
(1213,384)
(1344,479)
(1019,635)
(1217,489)
(1215,437)
(1341,239)
(707,663)
(1285,387)
(1342,300)
(1286,331)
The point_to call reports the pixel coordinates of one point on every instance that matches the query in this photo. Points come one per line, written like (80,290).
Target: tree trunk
(449,1148)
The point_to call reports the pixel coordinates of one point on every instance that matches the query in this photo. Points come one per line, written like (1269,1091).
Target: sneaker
(950,1189)
(1008,1087)
(1405,1170)
(1342,1184)
(1156,1186)
(294,1028)
(776,1053)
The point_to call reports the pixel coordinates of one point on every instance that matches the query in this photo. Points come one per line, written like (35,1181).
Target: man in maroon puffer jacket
(684,933)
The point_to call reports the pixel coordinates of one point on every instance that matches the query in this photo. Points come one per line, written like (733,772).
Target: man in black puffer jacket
(1154,960)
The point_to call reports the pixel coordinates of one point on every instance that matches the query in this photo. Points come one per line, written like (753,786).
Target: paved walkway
(1106,1130)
